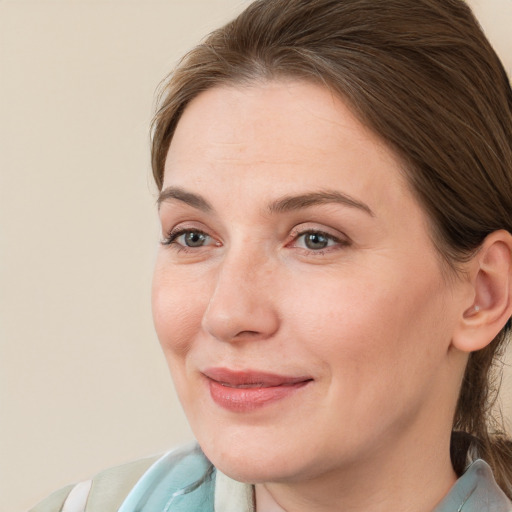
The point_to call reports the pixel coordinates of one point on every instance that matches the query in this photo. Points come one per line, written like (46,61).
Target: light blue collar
(182,480)
(475,491)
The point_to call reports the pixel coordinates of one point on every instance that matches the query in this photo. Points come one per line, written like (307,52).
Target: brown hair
(422,75)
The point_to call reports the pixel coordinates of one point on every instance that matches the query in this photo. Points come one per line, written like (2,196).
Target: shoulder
(109,487)
(54,502)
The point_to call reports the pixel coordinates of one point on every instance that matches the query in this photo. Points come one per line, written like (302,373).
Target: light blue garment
(184,481)
(475,491)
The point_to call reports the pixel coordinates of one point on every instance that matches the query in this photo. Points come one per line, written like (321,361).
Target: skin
(370,318)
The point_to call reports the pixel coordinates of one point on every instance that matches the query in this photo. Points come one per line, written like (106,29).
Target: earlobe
(490,272)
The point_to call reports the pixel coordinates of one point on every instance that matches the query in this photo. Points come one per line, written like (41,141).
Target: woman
(334,280)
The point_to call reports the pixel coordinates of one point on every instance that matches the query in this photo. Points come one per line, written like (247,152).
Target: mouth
(242,391)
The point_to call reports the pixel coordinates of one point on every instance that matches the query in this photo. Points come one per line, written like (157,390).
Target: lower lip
(248,399)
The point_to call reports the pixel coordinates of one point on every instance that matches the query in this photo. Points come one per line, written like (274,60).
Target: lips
(242,391)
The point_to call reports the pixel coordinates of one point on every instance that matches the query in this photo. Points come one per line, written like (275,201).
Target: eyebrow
(289,203)
(194,200)
(282,205)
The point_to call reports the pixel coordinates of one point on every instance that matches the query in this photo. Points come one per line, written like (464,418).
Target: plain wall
(83,384)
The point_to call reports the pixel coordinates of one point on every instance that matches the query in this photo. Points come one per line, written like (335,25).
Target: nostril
(247,333)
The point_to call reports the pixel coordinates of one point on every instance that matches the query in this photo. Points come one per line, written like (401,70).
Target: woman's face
(297,295)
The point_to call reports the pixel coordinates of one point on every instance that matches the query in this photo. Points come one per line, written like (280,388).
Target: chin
(263,460)
(250,464)
(249,471)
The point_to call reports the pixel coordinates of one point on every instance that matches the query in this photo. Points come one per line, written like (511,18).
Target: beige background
(82,382)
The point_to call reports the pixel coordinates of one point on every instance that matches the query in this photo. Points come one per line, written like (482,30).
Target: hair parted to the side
(422,75)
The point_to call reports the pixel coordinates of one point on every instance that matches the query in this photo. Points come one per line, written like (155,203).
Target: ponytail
(478,430)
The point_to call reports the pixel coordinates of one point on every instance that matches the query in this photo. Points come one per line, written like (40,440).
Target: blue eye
(191,238)
(315,240)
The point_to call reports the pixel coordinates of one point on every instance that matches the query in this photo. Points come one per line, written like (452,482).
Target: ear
(489,306)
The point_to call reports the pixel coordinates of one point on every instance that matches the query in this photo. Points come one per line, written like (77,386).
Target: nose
(242,303)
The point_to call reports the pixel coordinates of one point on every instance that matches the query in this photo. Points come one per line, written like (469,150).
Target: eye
(315,240)
(188,238)
(192,239)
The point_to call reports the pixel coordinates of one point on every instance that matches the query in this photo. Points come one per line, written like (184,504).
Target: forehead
(272,110)
(297,134)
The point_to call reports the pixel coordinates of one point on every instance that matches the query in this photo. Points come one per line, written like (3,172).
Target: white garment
(232,496)
(77,498)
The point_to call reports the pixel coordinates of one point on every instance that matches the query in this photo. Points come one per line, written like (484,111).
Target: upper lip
(251,378)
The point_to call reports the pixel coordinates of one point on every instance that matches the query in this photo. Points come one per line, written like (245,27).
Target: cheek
(371,322)
(177,309)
